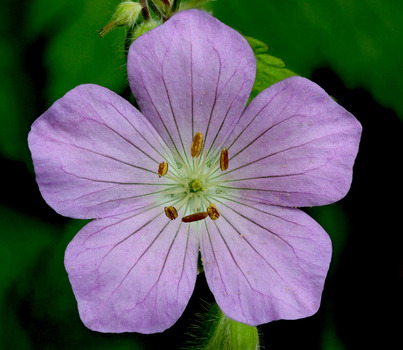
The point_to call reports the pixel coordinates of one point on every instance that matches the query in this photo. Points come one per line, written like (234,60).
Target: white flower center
(194,184)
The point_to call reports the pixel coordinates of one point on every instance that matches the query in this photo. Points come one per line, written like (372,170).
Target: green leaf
(12,82)
(333,219)
(269,69)
(38,308)
(24,240)
(75,54)
(359,40)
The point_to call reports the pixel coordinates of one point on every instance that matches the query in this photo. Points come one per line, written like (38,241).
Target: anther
(197,145)
(162,169)
(224,159)
(195,217)
(171,213)
(213,212)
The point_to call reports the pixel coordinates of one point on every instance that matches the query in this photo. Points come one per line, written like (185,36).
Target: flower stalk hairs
(195,172)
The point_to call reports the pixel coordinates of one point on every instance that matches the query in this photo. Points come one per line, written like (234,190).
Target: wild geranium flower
(195,171)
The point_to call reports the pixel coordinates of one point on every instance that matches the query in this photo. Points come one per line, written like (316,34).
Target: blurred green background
(353,49)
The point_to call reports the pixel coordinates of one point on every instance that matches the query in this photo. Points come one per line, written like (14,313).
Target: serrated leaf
(269,69)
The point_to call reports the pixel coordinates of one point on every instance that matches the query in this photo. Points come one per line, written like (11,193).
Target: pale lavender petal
(265,263)
(191,74)
(95,154)
(134,272)
(294,146)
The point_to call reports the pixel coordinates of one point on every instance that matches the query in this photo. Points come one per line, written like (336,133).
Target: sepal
(126,14)
(216,331)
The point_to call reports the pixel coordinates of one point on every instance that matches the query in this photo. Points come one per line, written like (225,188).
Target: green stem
(146,11)
(175,5)
(158,11)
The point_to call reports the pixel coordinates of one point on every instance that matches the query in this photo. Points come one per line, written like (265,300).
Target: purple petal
(294,146)
(134,272)
(191,74)
(95,154)
(265,263)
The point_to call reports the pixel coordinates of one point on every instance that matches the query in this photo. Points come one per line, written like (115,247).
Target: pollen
(213,212)
(171,213)
(224,159)
(197,145)
(162,169)
(195,217)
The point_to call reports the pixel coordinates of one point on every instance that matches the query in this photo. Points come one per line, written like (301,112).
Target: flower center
(193,184)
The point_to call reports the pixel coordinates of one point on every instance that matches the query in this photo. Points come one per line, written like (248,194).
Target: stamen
(195,217)
(213,212)
(203,164)
(224,159)
(195,201)
(214,184)
(197,145)
(162,169)
(184,200)
(176,179)
(179,158)
(212,170)
(204,200)
(173,190)
(171,213)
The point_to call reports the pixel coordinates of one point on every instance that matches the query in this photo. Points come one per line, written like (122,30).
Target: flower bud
(214,330)
(243,336)
(126,14)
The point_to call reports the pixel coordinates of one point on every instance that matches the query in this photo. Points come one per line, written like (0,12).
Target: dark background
(353,49)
